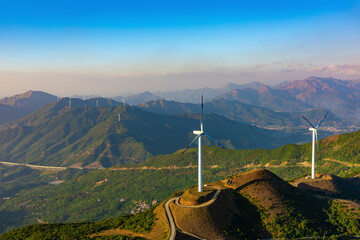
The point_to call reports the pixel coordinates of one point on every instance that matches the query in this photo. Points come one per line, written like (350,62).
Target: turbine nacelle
(312,129)
(197,132)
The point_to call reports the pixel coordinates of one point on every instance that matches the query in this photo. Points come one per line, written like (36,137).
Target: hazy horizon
(114,48)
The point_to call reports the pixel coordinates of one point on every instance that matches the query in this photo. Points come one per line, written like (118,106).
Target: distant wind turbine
(198,137)
(314,138)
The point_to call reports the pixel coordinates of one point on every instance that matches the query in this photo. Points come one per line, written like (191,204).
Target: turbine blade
(308,121)
(202,113)
(317,142)
(214,141)
(321,120)
(191,143)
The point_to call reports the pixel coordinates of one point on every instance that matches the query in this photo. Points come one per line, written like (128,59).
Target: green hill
(89,136)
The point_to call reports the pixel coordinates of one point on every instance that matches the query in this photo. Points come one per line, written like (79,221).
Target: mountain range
(339,96)
(84,135)
(250,114)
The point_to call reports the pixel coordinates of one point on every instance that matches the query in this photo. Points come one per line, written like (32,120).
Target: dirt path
(122,232)
(343,163)
(33,166)
(174,167)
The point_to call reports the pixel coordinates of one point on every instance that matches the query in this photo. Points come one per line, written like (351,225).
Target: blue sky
(115,47)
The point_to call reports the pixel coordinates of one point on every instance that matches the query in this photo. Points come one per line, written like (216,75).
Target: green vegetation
(95,195)
(344,219)
(92,196)
(141,222)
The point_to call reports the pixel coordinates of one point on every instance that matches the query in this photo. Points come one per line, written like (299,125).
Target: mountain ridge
(20,105)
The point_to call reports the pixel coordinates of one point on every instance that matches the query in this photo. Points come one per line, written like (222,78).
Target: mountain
(193,95)
(163,106)
(30,100)
(137,98)
(252,205)
(9,113)
(267,97)
(339,96)
(232,86)
(250,114)
(18,106)
(88,136)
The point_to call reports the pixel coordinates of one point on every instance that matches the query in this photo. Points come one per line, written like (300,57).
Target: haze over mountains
(338,96)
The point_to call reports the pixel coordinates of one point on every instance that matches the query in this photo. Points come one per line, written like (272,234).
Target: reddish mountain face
(338,96)
(315,86)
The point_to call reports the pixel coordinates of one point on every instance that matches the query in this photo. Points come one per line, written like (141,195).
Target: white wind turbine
(198,137)
(314,138)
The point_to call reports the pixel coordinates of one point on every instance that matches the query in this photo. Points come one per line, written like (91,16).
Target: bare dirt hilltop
(259,204)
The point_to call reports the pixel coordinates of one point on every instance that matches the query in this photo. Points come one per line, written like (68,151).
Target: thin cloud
(345,69)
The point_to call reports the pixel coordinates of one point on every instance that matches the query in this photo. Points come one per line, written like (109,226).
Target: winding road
(171,219)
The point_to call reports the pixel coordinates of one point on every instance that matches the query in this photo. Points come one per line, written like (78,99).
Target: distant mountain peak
(29,98)
(263,89)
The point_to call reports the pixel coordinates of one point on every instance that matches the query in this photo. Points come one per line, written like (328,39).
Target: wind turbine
(314,138)
(198,137)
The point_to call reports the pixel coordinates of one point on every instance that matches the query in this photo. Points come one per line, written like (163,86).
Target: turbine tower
(314,138)
(198,137)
